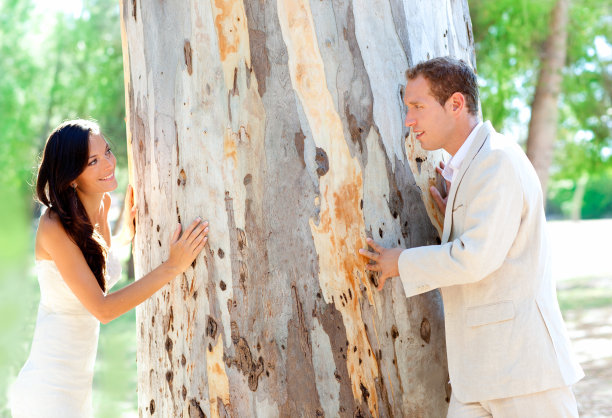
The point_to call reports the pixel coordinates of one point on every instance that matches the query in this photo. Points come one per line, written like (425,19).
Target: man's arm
(492,218)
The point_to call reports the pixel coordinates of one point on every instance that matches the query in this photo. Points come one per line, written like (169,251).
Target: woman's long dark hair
(65,157)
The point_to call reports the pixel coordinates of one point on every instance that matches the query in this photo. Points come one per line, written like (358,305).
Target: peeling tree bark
(281,123)
(544,111)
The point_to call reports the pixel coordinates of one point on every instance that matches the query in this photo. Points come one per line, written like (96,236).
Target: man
(508,351)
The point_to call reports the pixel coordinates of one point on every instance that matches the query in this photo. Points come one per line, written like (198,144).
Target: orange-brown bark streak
(232,35)
(340,231)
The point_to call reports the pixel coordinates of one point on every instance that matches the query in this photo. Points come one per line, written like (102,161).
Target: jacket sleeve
(493,205)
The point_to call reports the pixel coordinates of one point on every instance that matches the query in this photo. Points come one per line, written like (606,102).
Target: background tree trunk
(544,112)
(282,124)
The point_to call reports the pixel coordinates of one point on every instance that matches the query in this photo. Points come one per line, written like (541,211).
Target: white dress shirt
(452,167)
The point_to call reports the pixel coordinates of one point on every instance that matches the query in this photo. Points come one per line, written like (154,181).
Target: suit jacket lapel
(484,132)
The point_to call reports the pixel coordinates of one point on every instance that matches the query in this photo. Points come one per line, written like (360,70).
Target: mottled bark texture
(280,122)
(544,110)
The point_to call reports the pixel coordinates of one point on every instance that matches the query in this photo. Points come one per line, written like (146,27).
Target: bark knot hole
(425,330)
(211,327)
(322,162)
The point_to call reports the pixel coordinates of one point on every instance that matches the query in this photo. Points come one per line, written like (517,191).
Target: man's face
(430,122)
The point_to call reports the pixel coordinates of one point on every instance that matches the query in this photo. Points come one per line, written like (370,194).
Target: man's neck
(462,133)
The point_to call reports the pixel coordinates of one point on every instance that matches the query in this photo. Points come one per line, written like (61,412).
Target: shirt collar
(452,167)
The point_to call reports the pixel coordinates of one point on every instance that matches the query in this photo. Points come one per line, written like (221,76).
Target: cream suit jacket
(504,331)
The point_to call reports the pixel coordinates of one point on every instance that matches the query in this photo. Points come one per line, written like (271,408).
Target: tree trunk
(544,112)
(282,124)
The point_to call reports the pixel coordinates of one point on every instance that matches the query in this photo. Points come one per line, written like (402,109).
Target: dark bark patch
(168,345)
(419,161)
(354,129)
(182,179)
(259,58)
(425,330)
(234,91)
(195,411)
(394,332)
(187,51)
(152,406)
(243,274)
(234,331)
(221,253)
(365,394)
(134,9)
(243,361)
(169,321)
(302,329)
(222,285)
(169,379)
(184,392)
(211,327)
(298,140)
(358,413)
(373,277)
(247,179)
(322,162)
(242,239)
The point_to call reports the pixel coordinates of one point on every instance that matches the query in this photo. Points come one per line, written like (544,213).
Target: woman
(76,267)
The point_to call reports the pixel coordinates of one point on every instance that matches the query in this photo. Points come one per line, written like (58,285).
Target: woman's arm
(78,276)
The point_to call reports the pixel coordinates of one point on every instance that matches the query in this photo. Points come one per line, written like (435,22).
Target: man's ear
(456,102)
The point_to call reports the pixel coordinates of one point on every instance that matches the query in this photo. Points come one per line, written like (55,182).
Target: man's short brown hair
(447,76)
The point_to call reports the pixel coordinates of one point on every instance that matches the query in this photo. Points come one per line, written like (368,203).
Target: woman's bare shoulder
(50,227)
(50,230)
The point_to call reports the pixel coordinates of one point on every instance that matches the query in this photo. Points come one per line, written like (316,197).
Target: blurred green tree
(55,65)
(509,38)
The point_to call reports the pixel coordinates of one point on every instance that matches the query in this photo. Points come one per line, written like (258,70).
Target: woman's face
(99,174)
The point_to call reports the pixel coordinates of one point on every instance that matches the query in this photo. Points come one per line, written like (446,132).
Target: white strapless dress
(56,380)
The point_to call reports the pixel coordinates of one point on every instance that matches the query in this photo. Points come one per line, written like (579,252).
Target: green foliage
(18,105)
(54,67)
(509,35)
(597,200)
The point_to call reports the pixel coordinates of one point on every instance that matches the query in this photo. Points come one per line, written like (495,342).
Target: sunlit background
(62,59)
